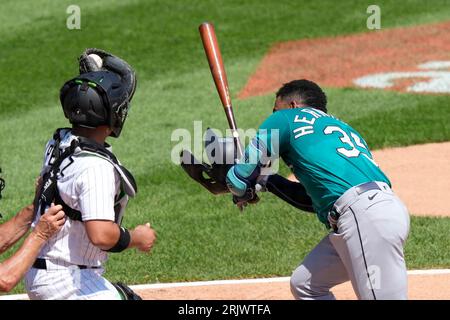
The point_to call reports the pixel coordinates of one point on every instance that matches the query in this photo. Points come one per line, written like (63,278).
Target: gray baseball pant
(366,248)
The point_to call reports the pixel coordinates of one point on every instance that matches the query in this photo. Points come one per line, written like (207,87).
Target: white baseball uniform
(89,184)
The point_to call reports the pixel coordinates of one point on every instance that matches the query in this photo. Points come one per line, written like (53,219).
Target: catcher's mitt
(110,63)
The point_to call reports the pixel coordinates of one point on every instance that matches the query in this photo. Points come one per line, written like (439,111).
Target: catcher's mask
(96,98)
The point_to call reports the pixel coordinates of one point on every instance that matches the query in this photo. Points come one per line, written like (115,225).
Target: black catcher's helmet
(96,98)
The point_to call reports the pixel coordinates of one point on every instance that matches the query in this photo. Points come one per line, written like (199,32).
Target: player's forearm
(12,230)
(109,236)
(257,155)
(22,222)
(103,234)
(293,193)
(127,239)
(135,239)
(14,268)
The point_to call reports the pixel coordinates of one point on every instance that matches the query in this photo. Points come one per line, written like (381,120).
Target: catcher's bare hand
(50,222)
(143,237)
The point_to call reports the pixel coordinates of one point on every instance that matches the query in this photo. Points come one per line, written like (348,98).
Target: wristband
(123,242)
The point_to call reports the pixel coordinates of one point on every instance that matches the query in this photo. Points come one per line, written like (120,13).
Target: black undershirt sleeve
(292,192)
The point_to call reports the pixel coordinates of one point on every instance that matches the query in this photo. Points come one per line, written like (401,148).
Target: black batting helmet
(96,98)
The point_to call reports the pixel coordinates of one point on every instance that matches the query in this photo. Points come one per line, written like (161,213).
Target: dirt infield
(422,285)
(419,289)
(420,174)
(413,59)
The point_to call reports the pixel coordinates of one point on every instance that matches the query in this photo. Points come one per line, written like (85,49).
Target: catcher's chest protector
(82,146)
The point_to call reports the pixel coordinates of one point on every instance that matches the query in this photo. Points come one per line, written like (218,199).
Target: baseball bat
(219,75)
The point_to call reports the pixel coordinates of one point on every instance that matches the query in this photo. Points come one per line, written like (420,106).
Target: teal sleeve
(274,133)
(271,138)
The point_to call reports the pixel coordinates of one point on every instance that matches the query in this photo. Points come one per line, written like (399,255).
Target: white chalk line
(156,286)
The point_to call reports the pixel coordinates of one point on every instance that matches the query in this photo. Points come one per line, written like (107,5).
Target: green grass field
(200,237)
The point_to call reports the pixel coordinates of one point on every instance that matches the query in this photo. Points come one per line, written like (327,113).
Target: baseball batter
(81,173)
(348,191)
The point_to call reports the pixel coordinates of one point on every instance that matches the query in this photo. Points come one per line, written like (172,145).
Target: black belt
(367,187)
(360,189)
(42,264)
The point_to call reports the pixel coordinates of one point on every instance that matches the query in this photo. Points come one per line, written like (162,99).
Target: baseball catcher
(83,175)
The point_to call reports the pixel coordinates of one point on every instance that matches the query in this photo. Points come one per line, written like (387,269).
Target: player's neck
(97,134)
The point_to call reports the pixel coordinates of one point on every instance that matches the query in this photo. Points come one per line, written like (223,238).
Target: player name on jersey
(309,118)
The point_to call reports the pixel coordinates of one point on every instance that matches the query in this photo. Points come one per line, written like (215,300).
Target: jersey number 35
(353,151)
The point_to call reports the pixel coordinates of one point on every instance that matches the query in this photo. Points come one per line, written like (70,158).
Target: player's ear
(293,104)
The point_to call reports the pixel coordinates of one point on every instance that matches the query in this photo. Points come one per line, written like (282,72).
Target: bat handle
(232,123)
(237,142)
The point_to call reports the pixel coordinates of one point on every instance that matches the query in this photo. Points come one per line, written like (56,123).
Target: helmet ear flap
(118,118)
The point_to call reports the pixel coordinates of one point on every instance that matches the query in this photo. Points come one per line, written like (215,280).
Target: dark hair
(305,92)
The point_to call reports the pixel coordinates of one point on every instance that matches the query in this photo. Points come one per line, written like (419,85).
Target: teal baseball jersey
(325,154)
